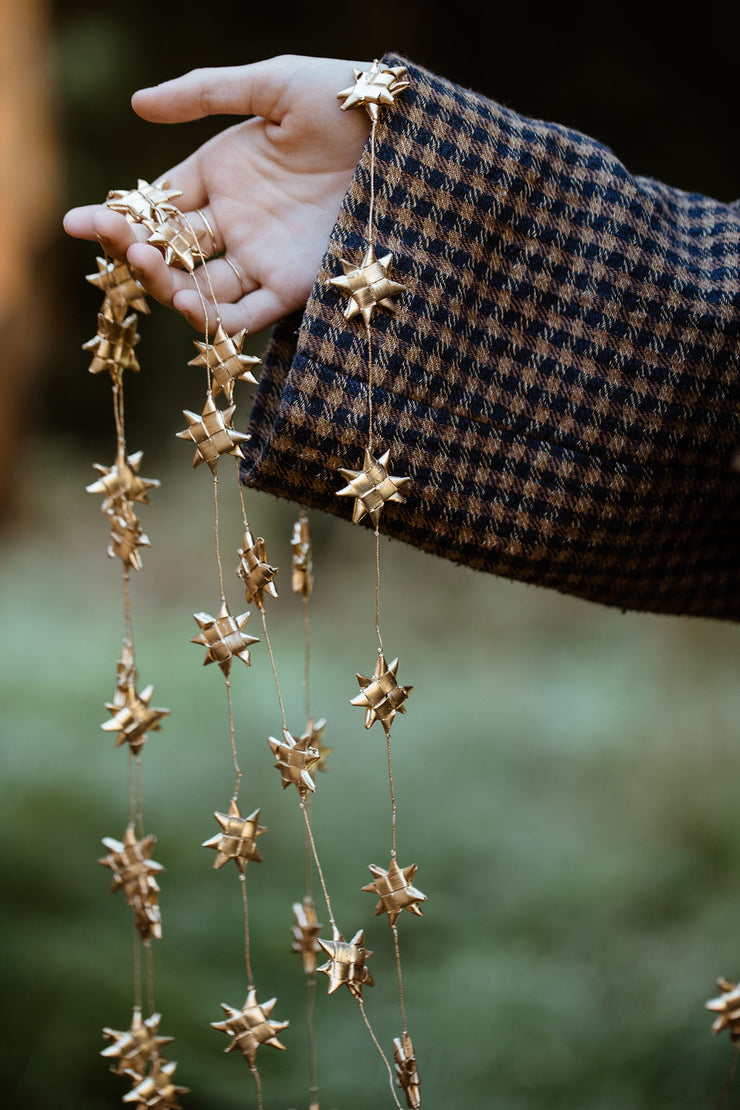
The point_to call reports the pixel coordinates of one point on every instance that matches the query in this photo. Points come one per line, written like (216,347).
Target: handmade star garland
(238,838)
(251,1027)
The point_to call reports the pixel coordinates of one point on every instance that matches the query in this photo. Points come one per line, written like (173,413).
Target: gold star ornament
(254,570)
(407,1074)
(371,487)
(238,838)
(179,244)
(145,202)
(122,481)
(223,638)
(133,1050)
(123,293)
(113,346)
(381,696)
(251,1026)
(727,1007)
(374,88)
(226,362)
(305,931)
(346,963)
(212,434)
(395,890)
(315,732)
(126,534)
(294,758)
(156,1091)
(367,285)
(133,872)
(134,718)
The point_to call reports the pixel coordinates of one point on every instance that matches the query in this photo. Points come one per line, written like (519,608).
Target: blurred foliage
(566,774)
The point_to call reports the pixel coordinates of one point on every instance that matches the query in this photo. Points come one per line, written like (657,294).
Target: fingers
(258,310)
(254,89)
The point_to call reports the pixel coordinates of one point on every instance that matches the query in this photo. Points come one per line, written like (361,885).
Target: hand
(270,187)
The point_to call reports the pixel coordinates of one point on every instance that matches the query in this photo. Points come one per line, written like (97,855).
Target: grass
(566,779)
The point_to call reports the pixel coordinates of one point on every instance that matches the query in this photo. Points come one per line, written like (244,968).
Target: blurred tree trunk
(28,190)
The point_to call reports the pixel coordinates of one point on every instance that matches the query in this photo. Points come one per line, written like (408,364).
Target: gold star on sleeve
(374,88)
(223,638)
(254,570)
(372,487)
(132,1051)
(395,890)
(226,362)
(305,932)
(251,1026)
(367,286)
(346,963)
(407,1073)
(381,696)
(294,758)
(238,838)
(212,434)
(727,1006)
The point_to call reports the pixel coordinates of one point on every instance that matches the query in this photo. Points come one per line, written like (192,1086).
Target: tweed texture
(560,379)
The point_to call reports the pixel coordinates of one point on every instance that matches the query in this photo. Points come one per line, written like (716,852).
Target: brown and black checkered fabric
(560,379)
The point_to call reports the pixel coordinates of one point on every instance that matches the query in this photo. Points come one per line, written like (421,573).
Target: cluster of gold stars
(135,1053)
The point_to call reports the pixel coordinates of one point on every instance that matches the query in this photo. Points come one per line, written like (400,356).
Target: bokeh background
(567,775)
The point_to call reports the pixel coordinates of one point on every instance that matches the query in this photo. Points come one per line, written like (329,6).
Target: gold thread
(383,1056)
(730,1076)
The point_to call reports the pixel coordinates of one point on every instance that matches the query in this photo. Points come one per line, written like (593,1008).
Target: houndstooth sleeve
(560,379)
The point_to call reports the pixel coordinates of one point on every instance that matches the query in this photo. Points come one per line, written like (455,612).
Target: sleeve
(560,378)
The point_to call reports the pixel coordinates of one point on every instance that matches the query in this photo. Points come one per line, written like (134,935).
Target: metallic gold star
(223,638)
(302,566)
(372,487)
(254,570)
(179,244)
(251,1026)
(135,718)
(132,1050)
(122,291)
(305,931)
(395,890)
(133,872)
(374,87)
(315,733)
(294,758)
(226,362)
(145,202)
(156,1091)
(407,1073)
(381,695)
(122,480)
(126,534)
(727,1005)
(212,434)
(346,963)
(238,840)
(367,285)
(113,346)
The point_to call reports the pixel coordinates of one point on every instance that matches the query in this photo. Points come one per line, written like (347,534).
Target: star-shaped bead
(145,202)
(251,1026)
(381,696)
(113,346)
(212,434)
(372,487)
(346,963)
(156,1091)
(727,1005)
(374,87)
(367,285)
(131,1051)
(179,244)
(122,480)
(123,292)
(238,838)
(254,570)
(407,1073)
(223,638)
(126,534)
(133,872)
(305,931)
(302,567)
(294,758)
(395,890)
(135,718)
(226,362)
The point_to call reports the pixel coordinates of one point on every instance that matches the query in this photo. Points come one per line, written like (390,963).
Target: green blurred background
(567,775)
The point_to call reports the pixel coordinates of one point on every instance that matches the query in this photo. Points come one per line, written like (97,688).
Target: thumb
(248,90)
